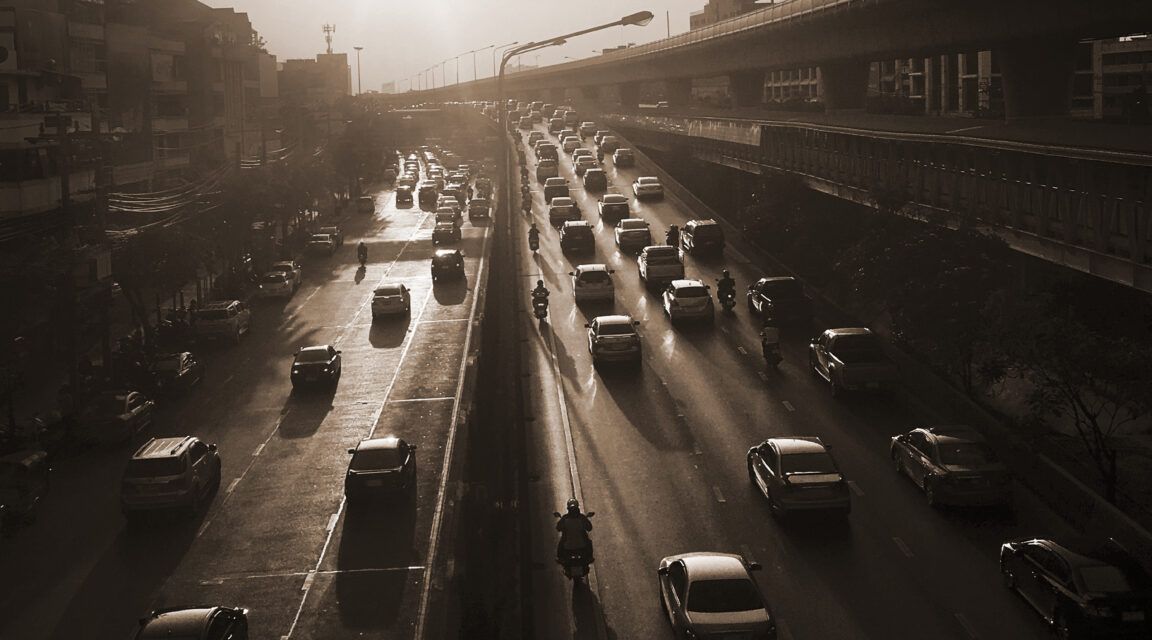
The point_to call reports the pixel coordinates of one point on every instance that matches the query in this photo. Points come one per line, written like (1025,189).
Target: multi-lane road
(276,538)
(659,454)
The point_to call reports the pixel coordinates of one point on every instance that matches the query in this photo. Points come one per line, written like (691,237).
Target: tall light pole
(443,74)
(497,48)
(359,87)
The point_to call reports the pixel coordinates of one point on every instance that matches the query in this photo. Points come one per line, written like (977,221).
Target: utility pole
(70,242)
(359,87)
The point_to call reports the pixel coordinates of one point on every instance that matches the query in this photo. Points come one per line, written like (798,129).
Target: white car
(571,143)
(633,234)
(613,338)
(449,201)
(593,282)
(688,299)
(581,151)
(292,268)
(322,243)
(648,187)
(390,298)
(275,284)
(583,163)
(712,595)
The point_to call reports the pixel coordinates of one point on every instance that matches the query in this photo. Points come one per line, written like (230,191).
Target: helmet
(724,273)
(539,283)
(673,227)
(573,505)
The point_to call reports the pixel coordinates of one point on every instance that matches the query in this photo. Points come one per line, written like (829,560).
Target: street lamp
(359,87)
(497,48)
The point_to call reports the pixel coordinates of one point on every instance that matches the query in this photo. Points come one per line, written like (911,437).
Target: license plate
(375,483)
(1132,616)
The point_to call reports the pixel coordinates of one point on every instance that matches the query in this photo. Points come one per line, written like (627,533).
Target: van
(223,319)
(700,236)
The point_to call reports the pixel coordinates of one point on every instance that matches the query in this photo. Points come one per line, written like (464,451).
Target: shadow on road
(584,614)
(376,548)
(389,332)
(305,410)
(449,293)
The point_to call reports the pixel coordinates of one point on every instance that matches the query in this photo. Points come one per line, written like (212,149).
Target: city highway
(275,538)
(659,454)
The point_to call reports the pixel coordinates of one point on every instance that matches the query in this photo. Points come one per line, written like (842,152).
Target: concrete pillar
(592,94)
(678,92)
(747,88)
(629,94)
(1037,77)
(845,84)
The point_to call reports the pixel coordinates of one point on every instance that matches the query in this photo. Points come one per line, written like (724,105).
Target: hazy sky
(403,37)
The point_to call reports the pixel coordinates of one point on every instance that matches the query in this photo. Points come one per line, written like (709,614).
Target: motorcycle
(772,356)
(727,299)
(575,563)
(363,260)
(540,308)
(534,242)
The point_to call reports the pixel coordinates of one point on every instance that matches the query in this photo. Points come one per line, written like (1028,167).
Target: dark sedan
(381,467)
(1083,590)
(953,465)
(781,296)
(175,372)
(316,365)
(447,263)
(116,416)
(798,474)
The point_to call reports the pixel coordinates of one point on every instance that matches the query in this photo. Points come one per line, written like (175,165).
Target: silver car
(688,299)
(713,595)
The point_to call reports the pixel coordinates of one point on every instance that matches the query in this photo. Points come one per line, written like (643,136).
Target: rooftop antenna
(329,29)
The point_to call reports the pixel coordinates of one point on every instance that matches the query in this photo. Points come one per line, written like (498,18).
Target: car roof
(162,448)
(615,198)
(777,279)
(625,221)
(955,433)
(552,182)
(684,282)
(319,347)
(591,267)
(657,249)
(798,444)
(643,178)
(372,444)
(222,304)
(286,263)
(445,224)
(700,223)
(388,286)
(562,201)
(613,319)
(592,171)
(713,566)
(187,623)
(623,150)
(849,331)
(446,253)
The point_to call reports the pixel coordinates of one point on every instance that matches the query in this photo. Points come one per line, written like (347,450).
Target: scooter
(772,356)
(727,300)
(540,308)
(575,563)
(363,261)
(534,242)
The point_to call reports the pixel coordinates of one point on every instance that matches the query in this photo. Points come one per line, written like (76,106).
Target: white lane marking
(742,351)
(306,301)
(763,376)
(967,624)
(308,581)
(855,488)
(445,320)
(719,496)
(788,406)
(449,448)
(436,399)
(903,546)
(332,521)
(979,126)
(229,378)
(259,449)
(232,486)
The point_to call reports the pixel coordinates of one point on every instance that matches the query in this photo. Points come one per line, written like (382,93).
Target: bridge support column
(678,92)
(1037,77)
(629,94)
(845,84)
(591,94)
(747,88)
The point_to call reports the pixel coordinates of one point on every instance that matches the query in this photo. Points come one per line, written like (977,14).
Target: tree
(155,261)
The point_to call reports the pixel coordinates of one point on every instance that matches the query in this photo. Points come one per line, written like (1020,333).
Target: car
(851,359)
(555,125)
(276,284)
(25,478)
(547,152)
(380,467)
(613,338)
(593,282)
(391,298)
(562,210)
(1082,588)
(334,231)
(536,116)
(623,158)
(798,474)
(447,263)
(713,595)
(292,268)
(563,136)
(600,133)
(609,144)
(570,144)
(614,208)
(316,365)
(479,208)
(687,299)
(780,296)
(322,243)
(581,151)
(576,236)
(587,128)
(659,264)
(595,179)
(222,319)
(663,104)
(648,187)
(581,164)
(428,193)
(555,188)
(174,372)
(403,195)
(116,416)
(546,170)
(702,237)
(525,122)
(449,201)
(541,146)
(366,204)
(632,234)
(535,137)
(195,623)
(571,117)
(953,465)
(167,473)
(445,231)
(408,182)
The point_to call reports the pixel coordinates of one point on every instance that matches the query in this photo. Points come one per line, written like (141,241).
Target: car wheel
(898,464)
(751,305)
(1007,577)
(1064,627)
(930,492)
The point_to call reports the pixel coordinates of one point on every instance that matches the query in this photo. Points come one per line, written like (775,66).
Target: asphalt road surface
(276,538)
(659,454)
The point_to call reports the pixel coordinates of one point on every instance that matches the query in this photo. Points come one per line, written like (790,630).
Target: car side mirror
(662,571)
(571,273)
(590,514)
(587,325)
(352,450)
(755,566)
(636,323)
(556,514)
(212,447)
(339,351)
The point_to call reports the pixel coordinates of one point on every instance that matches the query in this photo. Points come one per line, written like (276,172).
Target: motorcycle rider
(574,527)
(672,236)
(540,293)
(362,252)
(534,241)
(725,286)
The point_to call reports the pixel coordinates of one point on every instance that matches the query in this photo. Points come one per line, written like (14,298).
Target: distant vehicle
(555,188)
(555,125)
(648,187)
(581,164)
(276,284)
(428,193)
(536,117)
(403,195)
(366,204)
(175,372)
(546,169)
(782,297)
(167,473)
(447,264)
(561,210)
(445,232)
(613,338)
(380,467)
(614,208)
(526,122)
(1082,589)
(851,359)
(292,268)
(195,623)
(479,208)
(593,282)
(335,232)
(713,595)
(222,319)
(595,180)
(316,365)
(609,144)
(391,298)
(687,300)
(587,129)
(547,152)
(658,265)
(600,133)
(322,243)
(623,158)
(450,201)
(571,118)
(571,143)
(576,236)
(702,236)
(632,234)
(953,465)
(798,474)
(535,137)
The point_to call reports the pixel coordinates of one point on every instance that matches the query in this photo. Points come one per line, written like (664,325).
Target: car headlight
(295,370)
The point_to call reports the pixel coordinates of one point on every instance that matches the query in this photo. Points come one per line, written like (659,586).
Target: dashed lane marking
(259,449)
(967,624)
(742,351)
(788,406)
(232,486)
(719,496)
(436,399)
(855,488)
(903,546)
(332,521)
(963,129)
(445,320)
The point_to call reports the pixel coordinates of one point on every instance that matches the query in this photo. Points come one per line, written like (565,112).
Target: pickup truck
(851,359)
(659,264)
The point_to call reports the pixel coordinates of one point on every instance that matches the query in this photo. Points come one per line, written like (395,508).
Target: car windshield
(153,467)
(691,292)
(814,462)
(968,454)
(546,164)
(623,153)
(578,231)
(648,181)
(275,277)
(708,231)
(320,238)
(595,277)
(623,208)
(783,289)
(722,596)
(859,347)
(630,225)
(388,291)
(616,329)
(312,355)
(372,459)
(663,257)
(1104,579)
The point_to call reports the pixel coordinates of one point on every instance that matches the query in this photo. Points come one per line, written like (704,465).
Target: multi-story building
(1122,79)
(717,10)
(316,83)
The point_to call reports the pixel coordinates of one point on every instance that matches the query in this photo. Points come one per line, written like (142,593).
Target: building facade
(716,10)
